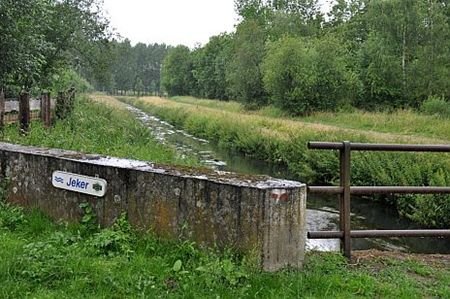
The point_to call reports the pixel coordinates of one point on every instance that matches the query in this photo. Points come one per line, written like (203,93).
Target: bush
(68,78)
(303,76)
(436,106)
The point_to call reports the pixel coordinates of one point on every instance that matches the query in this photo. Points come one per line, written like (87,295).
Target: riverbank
(283,140)
(41,259)
(100,126)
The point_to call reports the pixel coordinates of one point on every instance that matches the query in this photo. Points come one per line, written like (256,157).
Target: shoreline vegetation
(269,136)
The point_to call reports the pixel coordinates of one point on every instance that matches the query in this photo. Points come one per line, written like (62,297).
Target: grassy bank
(41,259)
(402,122)
(283,140)
(98,128)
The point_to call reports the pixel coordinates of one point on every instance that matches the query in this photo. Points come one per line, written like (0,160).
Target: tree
(303,76)
(210,63)
(244,71)
(177,78)
(40,37)
(22,44)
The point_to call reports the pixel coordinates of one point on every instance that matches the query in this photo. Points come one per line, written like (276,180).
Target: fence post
(60,105)
(45,109)
(2,109)
(24,112)
(344,203)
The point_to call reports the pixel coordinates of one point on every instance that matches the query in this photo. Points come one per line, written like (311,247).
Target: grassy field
(266,135)
(98,128)
(403,122)
(41,259)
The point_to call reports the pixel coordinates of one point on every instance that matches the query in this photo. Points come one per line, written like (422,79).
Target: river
(322,213)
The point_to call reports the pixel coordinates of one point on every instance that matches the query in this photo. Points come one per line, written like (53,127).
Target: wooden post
(46,109)
(2,109)
(24,112)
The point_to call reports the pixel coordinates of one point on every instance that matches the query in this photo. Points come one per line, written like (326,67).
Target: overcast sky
(172,22)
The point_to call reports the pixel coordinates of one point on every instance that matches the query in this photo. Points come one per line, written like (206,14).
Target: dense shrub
(436,106)
(68,78)
(306,76)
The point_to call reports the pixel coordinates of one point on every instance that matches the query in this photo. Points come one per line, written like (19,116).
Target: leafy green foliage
(68,78)
(38,38)
(306,76)
(177,71)
(436,106)
(244,72)
(210,66)
(116,240)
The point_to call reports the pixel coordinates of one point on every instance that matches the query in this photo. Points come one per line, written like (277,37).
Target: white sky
(173,22)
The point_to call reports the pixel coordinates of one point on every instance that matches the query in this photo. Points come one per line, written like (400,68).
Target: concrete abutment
(255,214)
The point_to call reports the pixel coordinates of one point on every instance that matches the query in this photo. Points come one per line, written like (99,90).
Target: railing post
(344,203)
(24,112)
(2,109)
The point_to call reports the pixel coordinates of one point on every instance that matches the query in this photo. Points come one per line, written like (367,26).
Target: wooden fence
(24,109)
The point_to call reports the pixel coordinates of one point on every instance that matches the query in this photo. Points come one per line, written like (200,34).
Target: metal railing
(345,190)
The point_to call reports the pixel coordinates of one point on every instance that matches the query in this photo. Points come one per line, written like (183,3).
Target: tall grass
(284,141)
(96,128)
(431,124)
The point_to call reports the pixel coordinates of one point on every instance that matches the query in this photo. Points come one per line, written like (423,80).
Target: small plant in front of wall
(10,216)
(116,240)
(89,220)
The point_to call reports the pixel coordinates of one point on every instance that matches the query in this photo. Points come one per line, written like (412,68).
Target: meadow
(268,135)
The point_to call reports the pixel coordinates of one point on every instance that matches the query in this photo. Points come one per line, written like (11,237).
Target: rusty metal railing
(345,190)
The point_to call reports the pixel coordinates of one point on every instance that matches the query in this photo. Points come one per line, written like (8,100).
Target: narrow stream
(322,212)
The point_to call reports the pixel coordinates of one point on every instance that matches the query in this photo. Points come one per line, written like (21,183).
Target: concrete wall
(251,214)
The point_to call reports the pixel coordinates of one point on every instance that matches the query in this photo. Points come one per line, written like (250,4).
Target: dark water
(322,213)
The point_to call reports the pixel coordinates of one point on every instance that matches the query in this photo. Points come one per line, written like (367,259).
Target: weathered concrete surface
(251,214)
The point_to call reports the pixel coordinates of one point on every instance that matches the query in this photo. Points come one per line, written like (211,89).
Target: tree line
(119,67)
(370,54)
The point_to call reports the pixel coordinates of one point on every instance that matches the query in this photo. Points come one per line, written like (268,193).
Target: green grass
(284,140)
(403,122)
(100,129)
(41,259)
(215,104)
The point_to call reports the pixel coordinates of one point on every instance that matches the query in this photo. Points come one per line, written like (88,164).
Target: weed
(11,217)
(114,241)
